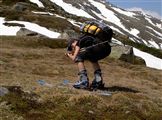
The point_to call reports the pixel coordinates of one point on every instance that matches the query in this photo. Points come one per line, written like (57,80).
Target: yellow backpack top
(97,29)
(91,29)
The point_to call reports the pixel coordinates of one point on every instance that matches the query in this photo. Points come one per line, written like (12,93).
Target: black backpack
(98,30)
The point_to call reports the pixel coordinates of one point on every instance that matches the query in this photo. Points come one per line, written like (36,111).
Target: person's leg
(98,80)
(83,81)
(95,65)
(81,66)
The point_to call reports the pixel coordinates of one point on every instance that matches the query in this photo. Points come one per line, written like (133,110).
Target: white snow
(160,34)
(77,24)
(132,39)
(43,13)
(154,35)
(37,2)
(59,16)
(159,25)
(127,13)
(112,27)
(134,32)
(149,21)
(160,45)
(145,42)
(71,9)
(107,14)
(6,30)
(154,44)
(115,41)
(30,26)
(151,61)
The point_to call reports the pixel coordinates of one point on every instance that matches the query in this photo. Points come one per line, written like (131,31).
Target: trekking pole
(85,48)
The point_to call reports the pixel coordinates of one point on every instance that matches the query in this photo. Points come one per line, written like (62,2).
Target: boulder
(118,50)
(26,32)
(128,56)
(64,36)
(20,6)
(69,34)
(3,91)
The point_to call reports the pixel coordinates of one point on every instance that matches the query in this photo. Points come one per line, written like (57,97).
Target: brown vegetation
(136,90)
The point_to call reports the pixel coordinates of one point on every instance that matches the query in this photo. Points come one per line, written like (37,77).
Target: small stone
(127,112)
(91,112)
(3,91)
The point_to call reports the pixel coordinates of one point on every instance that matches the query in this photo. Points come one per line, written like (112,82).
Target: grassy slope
(25,60)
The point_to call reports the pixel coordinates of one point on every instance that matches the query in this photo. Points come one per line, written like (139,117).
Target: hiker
(92,48)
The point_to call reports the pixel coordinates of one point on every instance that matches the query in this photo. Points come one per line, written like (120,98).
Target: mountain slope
(134,90)
(131,91)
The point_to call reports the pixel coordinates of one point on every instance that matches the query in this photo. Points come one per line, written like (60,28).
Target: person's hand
(69,52)
(71,56)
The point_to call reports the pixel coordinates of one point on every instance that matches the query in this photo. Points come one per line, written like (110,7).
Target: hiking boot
(97,83)
(83,83)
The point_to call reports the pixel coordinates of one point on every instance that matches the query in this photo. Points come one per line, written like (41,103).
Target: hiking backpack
(98,30)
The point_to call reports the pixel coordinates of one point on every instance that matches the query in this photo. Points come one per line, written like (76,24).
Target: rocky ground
(134,90)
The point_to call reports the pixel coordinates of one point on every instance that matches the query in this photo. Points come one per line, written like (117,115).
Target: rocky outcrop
(26,32)
(20,6)
(69,34)
(128,56)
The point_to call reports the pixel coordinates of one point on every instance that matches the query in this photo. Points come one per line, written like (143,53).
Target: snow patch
(149,21)
(144,42)
(43,13)
(77,24)
(154,35)
(155,31)
(115,41)
(71,9)
(107,14)
(154,44)
(112,27)
(132,39)
(151,61)
(7,30)
(127,13)
(160,45)
(159,25)
(134,32)
(59,16)
(37,2)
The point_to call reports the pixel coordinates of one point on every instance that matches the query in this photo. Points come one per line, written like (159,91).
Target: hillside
(135,91)
(65,16)
(36,77)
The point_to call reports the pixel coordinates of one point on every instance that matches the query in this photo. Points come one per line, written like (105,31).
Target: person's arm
(76,51)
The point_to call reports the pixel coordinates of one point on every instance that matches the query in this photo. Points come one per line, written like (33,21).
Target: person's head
(71,43)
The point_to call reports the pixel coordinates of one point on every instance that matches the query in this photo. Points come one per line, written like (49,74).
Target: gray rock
(128,56)
(118,50)
(69,34)
(26,32)
(64,36)
(20,6)
(3,91)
